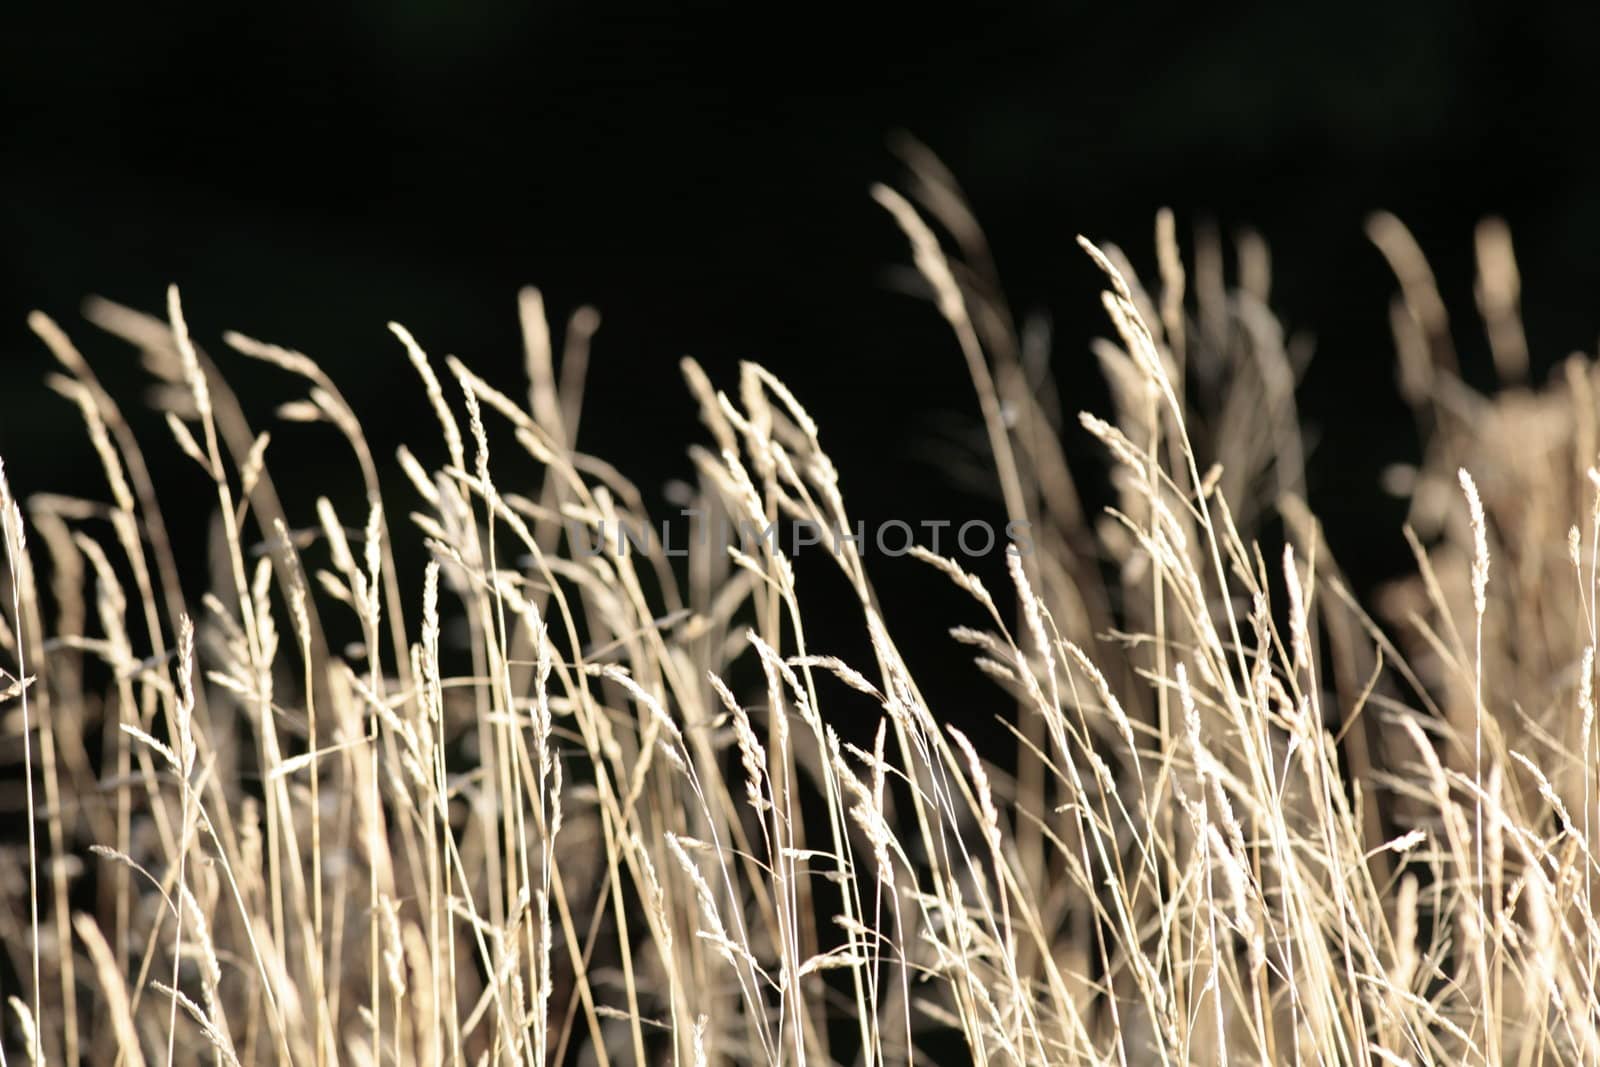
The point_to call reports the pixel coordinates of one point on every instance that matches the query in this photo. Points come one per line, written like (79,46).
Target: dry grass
(555,807)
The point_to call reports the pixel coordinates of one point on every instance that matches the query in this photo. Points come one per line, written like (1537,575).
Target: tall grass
(556,805)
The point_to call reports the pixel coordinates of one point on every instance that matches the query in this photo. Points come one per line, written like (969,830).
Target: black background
(308,173)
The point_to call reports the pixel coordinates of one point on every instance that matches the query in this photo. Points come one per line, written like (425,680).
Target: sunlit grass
(568,804)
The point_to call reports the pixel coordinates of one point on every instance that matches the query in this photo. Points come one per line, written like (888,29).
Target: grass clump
(568,800)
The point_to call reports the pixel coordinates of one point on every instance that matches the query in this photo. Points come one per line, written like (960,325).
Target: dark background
(307,173)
